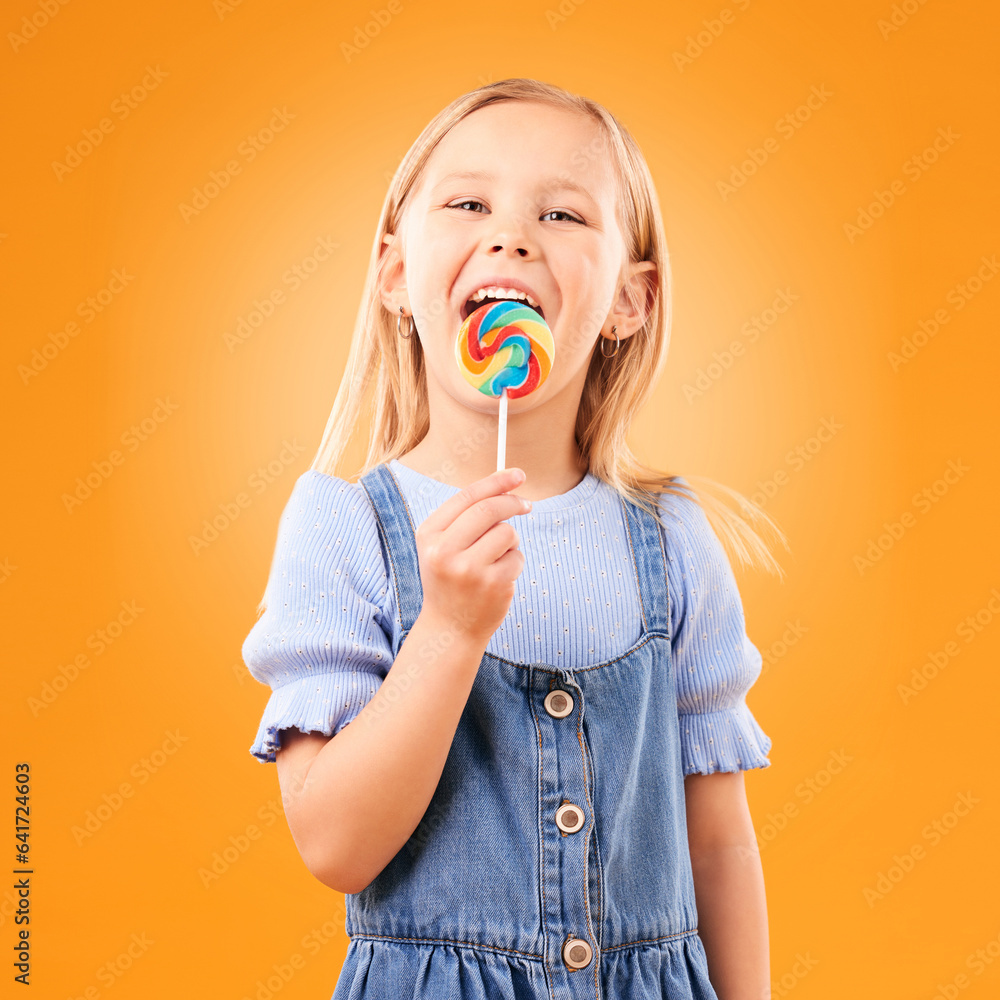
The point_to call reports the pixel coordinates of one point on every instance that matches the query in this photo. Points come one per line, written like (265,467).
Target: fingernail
(519,475)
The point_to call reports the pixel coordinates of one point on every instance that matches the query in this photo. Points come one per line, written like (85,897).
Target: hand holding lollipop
(504,348)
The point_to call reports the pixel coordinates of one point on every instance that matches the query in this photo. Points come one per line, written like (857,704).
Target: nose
(509,236)
(498,248)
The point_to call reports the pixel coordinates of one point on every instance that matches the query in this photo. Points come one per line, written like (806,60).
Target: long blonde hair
(616,388)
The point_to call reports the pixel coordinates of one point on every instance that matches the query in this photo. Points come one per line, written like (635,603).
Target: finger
(509,566)
(474,524)
(493,485)
(495,543)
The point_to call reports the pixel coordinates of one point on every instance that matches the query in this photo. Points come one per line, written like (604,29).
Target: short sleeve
(715,663)
(323,643)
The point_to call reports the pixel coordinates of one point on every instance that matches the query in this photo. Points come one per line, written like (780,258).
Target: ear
(635,298)
(392,276)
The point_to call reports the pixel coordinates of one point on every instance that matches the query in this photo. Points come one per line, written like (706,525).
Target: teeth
(499,292)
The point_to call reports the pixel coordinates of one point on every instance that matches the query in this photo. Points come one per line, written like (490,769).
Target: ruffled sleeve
(323,643)
(715,663)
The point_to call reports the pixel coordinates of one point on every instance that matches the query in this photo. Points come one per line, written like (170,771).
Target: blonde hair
(616,388)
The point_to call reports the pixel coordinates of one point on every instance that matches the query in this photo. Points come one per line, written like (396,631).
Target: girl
(543,797)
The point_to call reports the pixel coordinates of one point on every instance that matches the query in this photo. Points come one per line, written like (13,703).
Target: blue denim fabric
(479,903)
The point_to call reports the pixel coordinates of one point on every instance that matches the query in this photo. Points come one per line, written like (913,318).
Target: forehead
(526,139)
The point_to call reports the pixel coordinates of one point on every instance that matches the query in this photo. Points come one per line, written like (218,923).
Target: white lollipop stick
(502,431)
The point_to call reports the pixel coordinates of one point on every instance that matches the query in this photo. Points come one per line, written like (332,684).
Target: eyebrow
(552,184)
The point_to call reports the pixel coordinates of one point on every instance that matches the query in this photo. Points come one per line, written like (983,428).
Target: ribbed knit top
(323,644)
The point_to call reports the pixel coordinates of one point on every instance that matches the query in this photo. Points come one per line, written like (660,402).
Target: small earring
(399,321)
(617,344)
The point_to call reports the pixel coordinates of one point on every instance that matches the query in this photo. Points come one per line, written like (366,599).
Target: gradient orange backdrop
(122,638)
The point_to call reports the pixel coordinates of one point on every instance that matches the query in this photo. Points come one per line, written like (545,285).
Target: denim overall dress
(552,860)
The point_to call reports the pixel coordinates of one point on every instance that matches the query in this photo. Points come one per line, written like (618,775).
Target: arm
(729,885)
(353,800)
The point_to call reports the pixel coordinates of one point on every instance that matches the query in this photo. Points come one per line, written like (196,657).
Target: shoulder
(327,522)
(319,502)
(683,519)
(318,491)
(698,567)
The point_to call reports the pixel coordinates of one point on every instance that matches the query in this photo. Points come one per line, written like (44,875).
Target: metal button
(558,703)
(577,953)
(569,818)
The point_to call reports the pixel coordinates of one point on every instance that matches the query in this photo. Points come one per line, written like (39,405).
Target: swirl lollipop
(504,349)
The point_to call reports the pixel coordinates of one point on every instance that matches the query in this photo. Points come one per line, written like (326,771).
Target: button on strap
(577,953)
(569,817)
(558,703)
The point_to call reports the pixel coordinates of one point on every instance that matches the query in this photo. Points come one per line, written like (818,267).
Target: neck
(461,445)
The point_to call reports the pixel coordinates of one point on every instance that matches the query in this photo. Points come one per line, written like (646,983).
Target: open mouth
(472,304)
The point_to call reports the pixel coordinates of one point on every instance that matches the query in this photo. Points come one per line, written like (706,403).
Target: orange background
(173,680)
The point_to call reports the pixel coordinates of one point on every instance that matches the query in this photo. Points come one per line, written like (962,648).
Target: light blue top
(323,644)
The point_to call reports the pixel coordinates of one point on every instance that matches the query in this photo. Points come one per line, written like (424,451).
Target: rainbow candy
(505,345)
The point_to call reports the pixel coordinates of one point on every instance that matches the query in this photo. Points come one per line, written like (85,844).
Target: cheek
(432,260)
(590,272)
(587,300)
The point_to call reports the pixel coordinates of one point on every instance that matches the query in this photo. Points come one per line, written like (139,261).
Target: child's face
(540,210)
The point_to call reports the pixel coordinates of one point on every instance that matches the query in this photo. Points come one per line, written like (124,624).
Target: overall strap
(397,537)
(645,538)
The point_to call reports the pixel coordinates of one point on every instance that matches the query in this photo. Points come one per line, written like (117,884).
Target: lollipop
(504,348)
